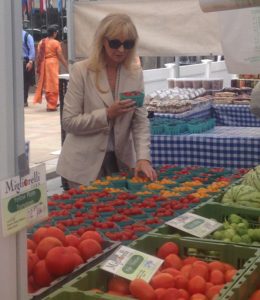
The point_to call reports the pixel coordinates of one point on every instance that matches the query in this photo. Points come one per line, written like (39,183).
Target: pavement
(43,131)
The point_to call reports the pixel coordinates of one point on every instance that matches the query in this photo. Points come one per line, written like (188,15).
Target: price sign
(35,212)
(131,264)
(194,224)
(23,200)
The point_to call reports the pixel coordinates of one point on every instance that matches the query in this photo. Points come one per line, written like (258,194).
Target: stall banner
(240,39)
(218,5)
(23,200)
(165,27)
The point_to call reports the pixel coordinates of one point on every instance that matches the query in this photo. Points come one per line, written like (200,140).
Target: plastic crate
(68,294)
(218,212)
(74,294)
(229,253)
(168,230)
(108,248)
(98,279)
(246,284)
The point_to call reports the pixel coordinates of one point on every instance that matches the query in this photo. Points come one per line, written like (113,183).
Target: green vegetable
(218,235)
(241,229)
(246,239)
(242,195)
(252,178)
(226,225)
(227,240)
(229,233)
(236,239)
(233,218)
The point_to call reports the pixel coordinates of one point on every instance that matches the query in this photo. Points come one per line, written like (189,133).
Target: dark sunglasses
(127,44)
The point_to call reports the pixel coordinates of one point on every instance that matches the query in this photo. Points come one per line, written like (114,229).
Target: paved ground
(43,131)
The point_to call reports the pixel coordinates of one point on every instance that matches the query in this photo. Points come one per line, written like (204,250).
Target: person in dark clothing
(28,64)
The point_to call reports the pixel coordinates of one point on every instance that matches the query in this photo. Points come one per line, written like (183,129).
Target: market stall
(134,211)
(232,255)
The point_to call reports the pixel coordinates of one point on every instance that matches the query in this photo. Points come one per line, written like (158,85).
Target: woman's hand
(120,107)
(145,167)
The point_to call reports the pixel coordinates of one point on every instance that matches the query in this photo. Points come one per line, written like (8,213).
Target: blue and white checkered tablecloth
(234,115)
(200,112)
(228,147)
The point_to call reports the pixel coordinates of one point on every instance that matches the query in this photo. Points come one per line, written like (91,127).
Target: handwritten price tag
(35,212)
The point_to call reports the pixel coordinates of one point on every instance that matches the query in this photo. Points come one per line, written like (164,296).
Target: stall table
(234,115)
(228,147)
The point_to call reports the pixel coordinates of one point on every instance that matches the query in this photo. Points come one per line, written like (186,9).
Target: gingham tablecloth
(200,112)
(234,115)
(228,147)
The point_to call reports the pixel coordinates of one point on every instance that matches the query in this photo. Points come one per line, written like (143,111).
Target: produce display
(190,270)
(51,255)
(84,223)
(188,278)
(236,229)
(125,213)
(176,100)
(233,96)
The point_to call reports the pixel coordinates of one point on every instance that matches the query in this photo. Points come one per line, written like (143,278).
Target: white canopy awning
(165,27)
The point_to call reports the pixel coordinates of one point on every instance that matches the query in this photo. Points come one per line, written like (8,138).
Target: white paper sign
(194,224)
(240,39)
(131,264)
(23,200)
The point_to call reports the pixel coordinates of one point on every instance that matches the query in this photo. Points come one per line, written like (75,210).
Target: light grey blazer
(87,128)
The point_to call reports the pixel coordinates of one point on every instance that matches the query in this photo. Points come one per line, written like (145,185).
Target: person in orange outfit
(48,57)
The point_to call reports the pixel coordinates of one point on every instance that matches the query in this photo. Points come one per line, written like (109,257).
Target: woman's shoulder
(81,63)
(81,67)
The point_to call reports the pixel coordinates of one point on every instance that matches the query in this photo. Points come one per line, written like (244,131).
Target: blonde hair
(111,27)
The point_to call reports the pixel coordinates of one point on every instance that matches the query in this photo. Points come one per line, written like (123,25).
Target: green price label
(24,200)
(132,264)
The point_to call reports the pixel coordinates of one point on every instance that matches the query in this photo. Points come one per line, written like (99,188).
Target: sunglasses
(127,44)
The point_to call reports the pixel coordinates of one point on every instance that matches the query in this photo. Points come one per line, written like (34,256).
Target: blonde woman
(105,135)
